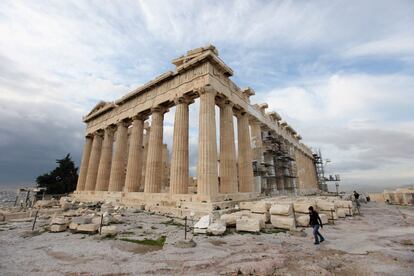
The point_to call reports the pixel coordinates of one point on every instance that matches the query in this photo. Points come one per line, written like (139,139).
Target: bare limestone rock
(260,207)
(283,222)
(248,224)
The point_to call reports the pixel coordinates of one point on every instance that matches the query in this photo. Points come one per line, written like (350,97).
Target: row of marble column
(104,170)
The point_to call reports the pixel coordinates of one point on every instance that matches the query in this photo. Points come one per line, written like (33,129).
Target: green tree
(62,179)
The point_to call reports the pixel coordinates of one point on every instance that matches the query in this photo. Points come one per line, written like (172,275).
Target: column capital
(206,89)
(110,129)
(224,101)
(240,112)
(183,99)
(139,117)
(99,132)
(159,109)
(124,123)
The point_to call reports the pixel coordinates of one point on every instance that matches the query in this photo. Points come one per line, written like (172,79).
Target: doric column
(134,168)
(147,129)
(84,164)
(94,162)
(154,155)
(207,177)
(245,153)
(179,161)
(257,141)
(257,144)
(228,161)
(117,176)
(104,169)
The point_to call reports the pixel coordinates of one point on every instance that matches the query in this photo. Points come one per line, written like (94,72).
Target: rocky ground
(379,242)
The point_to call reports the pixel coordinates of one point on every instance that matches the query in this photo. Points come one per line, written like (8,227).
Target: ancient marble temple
(124,157)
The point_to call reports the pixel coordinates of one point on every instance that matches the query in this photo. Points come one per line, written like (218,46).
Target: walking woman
(315,221)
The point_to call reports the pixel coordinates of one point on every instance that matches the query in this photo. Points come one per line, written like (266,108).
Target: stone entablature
(115,161)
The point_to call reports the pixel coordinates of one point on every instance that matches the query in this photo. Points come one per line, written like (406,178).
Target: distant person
(315,221)
(356,196)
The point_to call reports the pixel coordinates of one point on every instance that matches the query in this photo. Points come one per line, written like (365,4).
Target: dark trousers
(316,233)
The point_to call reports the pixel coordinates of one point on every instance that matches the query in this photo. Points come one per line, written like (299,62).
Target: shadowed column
(83,172)
(154,155)
(179,162)
(104,169)
(117,176)
(134,167)
(245,154)
(257,144)
(94,162)
(228,168)
(207,178)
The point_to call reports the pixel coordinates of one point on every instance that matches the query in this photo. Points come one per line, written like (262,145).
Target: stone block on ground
(58,228)
(229,219)
(281,209)
(105,221)
(217,228)
(246,205)
(343,203)
(59,221)
(324,218)
(110,230)
(248,225)
(263,218)
(302,220)
(260,207)
(203,223)
(330,214)
(303,207)
(341,212)
(73,226)
(325,205)
(66,205)
(45,203)
(90,228)
(283,222)
(82,220)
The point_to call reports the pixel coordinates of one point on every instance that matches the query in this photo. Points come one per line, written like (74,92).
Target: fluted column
(207,177)
(94,162)
(228,168)
(245,154)
(83,172)
(179,161)
(147,129)
(117,176)
(104,169)
(257,141)
(154,155)
(134,167)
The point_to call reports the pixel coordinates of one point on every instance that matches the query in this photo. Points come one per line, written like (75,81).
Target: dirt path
(380,242)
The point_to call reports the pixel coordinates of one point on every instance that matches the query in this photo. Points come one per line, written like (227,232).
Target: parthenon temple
(124,158)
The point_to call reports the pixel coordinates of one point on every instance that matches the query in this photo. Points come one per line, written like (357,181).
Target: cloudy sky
(341,72)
